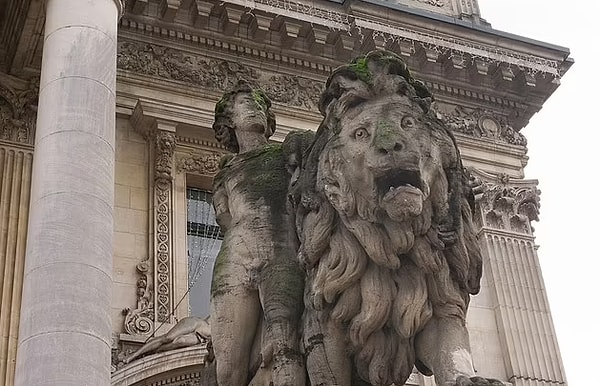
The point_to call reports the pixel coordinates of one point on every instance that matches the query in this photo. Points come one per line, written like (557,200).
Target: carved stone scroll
(140,321)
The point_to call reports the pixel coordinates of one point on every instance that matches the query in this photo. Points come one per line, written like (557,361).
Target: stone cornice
(357,21)
(145,63)
(280,44)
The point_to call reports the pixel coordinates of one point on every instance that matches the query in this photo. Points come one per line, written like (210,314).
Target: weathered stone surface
(382,209)
(386,234)
(258,284)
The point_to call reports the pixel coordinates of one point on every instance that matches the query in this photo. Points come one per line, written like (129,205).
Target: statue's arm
(221,205)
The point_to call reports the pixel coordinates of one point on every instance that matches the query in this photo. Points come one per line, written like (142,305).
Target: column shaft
(64,336)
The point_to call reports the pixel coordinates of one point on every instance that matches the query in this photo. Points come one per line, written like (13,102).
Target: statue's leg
(327,359)
(281,292)
(235,310)
(186,340)
(185,326)
(443,346)
(151,345)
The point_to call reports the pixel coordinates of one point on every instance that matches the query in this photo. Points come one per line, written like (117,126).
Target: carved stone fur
(386,235)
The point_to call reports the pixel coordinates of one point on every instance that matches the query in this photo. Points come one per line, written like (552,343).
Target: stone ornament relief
(164,145)
(167,63)
(506,206)
(201,164)
(140,321)
(435,3)
(18,110)
(479,123)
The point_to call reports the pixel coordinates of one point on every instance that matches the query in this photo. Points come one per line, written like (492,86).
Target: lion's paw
(477,381)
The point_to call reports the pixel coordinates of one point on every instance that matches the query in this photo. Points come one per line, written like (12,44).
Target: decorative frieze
(203,164)
(505,204)
(167,63)
(435,3)
(480,123)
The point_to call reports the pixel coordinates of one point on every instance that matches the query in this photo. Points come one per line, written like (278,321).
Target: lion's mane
(384,281)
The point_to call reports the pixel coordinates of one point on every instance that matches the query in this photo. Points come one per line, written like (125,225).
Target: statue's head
(245,109)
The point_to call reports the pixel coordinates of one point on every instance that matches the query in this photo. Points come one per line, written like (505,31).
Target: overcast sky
(564,151)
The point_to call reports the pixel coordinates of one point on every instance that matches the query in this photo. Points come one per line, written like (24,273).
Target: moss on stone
(219,278)
(221,105)
(260,98)
(360,67)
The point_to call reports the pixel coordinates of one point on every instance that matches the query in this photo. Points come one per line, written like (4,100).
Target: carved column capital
(18,108)
(164,147)
(505,203)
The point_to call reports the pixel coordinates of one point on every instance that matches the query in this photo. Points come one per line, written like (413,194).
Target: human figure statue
(385,223)
(258,284)
(187,332)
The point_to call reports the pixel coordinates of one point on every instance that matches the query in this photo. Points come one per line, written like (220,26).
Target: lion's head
(385,219)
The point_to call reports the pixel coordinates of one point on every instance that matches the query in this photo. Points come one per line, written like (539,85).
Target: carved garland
(141,320)
(218,75)
(164,150)
(199,164)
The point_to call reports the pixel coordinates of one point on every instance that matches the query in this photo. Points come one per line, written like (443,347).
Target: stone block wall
(131,217)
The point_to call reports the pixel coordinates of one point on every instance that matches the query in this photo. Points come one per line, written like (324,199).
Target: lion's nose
(389,147)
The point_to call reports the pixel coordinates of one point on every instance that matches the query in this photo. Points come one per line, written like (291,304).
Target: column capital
(506,203)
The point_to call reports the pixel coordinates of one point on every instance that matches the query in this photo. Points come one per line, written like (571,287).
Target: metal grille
(204,241)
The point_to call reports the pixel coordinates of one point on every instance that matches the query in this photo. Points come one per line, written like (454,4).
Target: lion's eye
(408,122)
(361,133)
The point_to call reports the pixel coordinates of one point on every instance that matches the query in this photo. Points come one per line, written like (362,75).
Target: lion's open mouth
(401,194)
(395,182)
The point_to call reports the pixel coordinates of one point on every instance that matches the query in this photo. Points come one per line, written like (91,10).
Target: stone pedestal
(65,326)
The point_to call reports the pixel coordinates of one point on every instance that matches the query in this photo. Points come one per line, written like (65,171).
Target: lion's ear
(335,197)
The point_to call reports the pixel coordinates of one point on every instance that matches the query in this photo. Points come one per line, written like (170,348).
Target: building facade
(107,158)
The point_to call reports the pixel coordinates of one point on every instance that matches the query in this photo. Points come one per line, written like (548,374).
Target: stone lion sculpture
(258,283)
(384,219)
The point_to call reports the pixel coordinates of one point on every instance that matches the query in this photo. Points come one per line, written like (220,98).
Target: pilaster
(505,209)
(17,127)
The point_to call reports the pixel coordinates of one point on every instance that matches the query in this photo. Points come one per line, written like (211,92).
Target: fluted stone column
(530,348)
(64,336)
